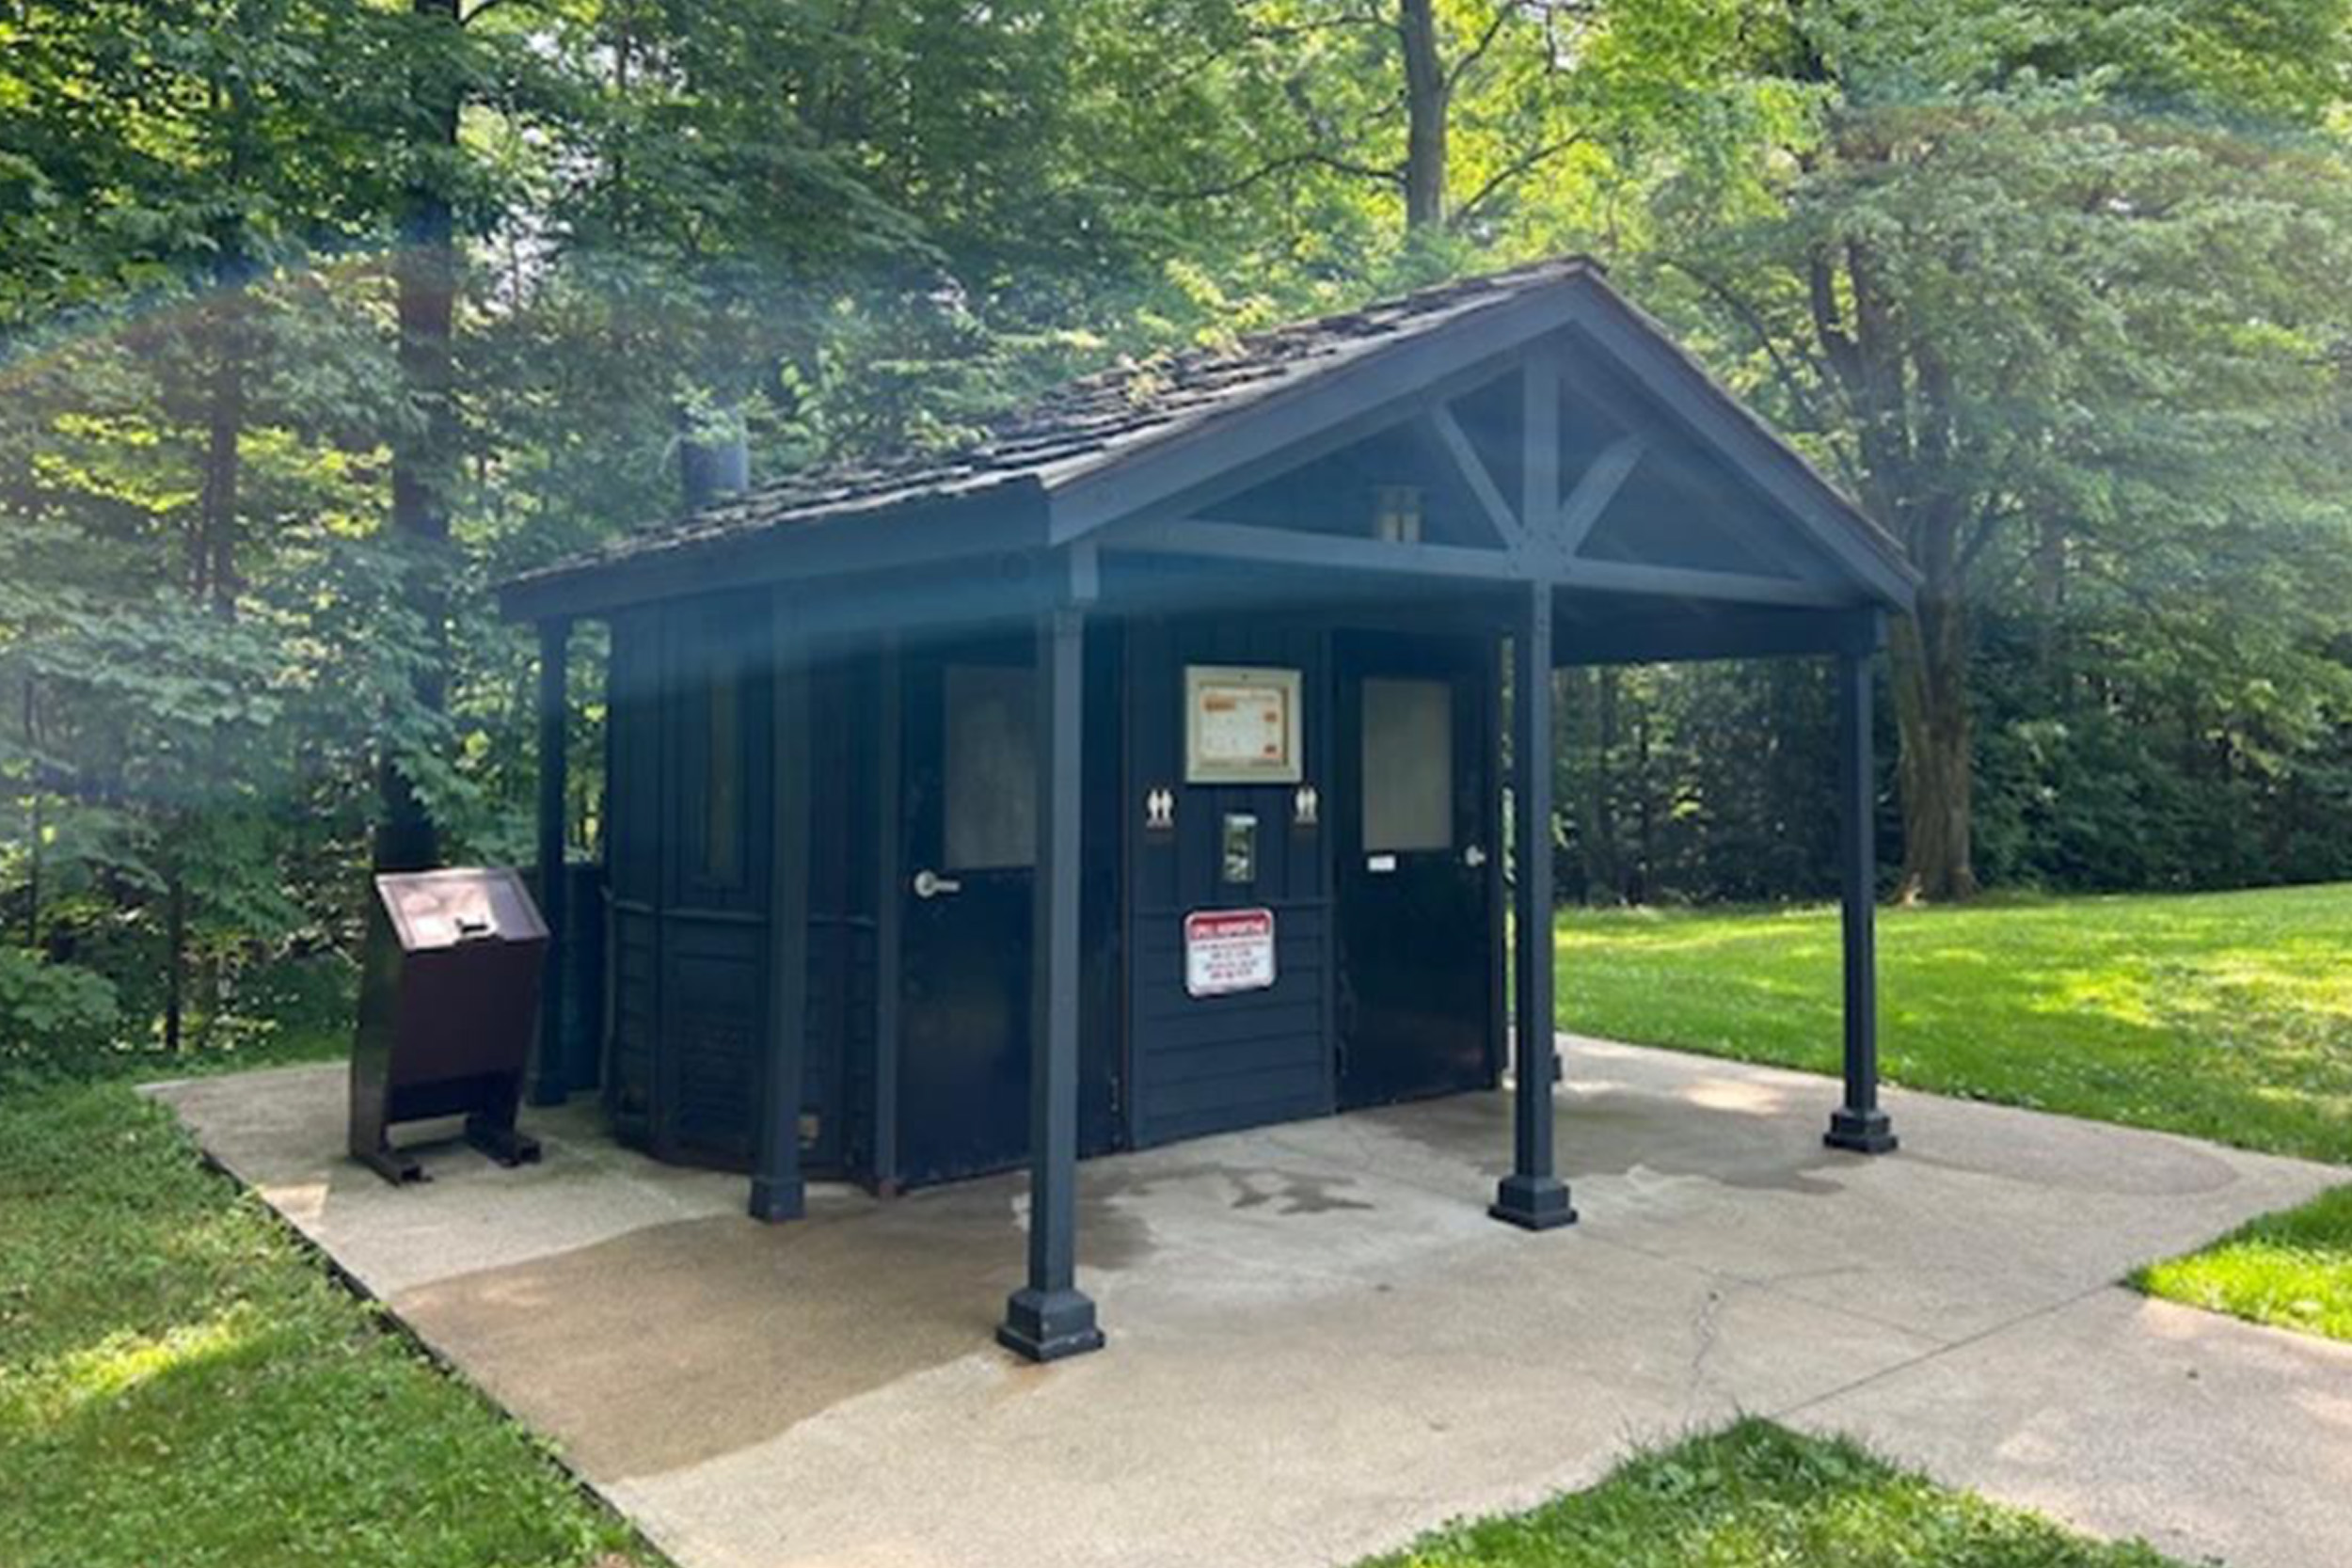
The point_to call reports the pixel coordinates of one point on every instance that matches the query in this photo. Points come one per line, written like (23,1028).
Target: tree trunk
(216,506)
(34,827)
(424,454)
(175,958)
(1934,761)
(1606,869)
(1426,106)
(1645,819)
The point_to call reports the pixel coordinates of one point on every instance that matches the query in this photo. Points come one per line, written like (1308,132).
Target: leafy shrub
(52,1014)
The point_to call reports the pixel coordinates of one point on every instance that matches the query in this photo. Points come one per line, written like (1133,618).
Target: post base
(1860,1131)
(1533,1202)
(499,1139)
(1049,1325)
(773,1202)
(399,1168)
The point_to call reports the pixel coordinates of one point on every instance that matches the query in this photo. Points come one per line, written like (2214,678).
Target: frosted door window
(991,773)
(1408,765)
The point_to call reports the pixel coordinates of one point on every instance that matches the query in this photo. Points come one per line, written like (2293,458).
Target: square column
(549,1084)
(1050,1318)
(1533,1197)
(777,1190)
(1859,1124)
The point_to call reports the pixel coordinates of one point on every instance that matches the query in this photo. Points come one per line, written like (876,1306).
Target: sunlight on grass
(2226,1016)
(1758,1495)
(2292,1270)
(120,1363)
(181,1384)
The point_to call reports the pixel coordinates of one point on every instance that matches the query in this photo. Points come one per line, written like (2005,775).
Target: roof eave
(1006,515)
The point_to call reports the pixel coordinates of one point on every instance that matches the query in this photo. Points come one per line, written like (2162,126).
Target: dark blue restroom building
(1141,771)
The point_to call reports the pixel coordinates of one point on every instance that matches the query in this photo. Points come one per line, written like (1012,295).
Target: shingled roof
(1100,420)
(1084,423)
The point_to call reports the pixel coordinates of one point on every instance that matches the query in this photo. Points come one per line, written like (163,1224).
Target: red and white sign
(1228,951)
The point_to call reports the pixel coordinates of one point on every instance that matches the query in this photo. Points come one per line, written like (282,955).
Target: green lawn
(2227,1016)
(1755,1495)
(2290,1269)
(181,1384)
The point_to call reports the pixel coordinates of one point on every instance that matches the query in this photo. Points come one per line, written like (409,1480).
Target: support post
(889,825)
(777,1190)
(1050,1318)
(1858,1124)
(1533,1197)
(548,1084)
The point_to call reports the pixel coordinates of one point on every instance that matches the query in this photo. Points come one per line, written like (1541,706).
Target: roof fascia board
(1712,416)
(1009,518)
(1229,451)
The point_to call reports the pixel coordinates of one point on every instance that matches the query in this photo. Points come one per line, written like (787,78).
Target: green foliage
(2052,286)
(181,1382)
(2224,1015)
(2291,1269)
(2104,343)
(1758,1496)
(52,1011)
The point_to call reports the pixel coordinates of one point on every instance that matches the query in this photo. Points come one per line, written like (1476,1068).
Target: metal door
(968,857)
(1415,879)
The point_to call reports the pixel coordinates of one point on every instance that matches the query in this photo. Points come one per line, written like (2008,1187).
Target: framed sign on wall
(1241,725)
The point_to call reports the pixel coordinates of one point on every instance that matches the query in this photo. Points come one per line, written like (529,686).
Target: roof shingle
(1094,420)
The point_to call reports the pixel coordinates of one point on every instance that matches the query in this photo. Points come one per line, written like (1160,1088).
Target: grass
(1756,1495)
(2225,1016)
(2292,1270)
(181,1383)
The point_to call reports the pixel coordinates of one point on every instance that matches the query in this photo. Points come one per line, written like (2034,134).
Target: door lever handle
(930,884)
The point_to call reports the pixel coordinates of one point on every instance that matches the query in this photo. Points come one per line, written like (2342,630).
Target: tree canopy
(319,316)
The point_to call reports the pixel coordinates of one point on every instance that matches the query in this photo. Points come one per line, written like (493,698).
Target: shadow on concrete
(676,1343)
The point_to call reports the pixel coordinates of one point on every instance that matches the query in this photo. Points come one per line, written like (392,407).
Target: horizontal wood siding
(1205,1065)
(714,984)
(634,1023)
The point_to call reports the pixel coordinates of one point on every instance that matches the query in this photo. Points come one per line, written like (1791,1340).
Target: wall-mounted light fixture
(1396,513)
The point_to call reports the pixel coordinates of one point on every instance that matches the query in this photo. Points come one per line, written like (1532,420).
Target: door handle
(930,884)
(1474,857)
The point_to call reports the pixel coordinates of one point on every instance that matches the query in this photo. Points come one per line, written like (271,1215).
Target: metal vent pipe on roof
(714,459)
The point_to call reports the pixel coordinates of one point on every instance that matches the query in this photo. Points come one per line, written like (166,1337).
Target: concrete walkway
(1321,1345)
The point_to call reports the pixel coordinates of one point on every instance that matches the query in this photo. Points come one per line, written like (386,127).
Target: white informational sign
(1228,951)
(1241,726)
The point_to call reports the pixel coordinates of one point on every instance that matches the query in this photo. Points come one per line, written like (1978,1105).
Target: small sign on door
(1228,951)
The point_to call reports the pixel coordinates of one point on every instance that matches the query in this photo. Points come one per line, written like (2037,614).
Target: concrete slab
(1319,1343)
(2211,1437)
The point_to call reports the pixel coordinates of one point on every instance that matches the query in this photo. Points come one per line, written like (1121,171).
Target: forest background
(319,317)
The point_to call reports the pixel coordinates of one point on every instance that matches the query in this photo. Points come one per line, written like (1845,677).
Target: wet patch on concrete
(1281,1192)
(1612,1131)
